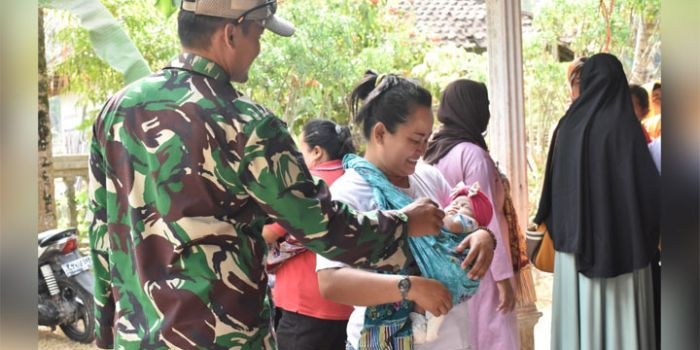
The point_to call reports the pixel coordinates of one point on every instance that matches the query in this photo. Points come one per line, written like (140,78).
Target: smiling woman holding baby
(395,117)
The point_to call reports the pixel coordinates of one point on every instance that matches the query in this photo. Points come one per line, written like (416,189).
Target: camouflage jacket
(184,172)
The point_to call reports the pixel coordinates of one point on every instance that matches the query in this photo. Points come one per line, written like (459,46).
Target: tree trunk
(643,67)
(47,205)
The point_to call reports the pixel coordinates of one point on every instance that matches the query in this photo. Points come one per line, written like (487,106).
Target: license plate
(77,266)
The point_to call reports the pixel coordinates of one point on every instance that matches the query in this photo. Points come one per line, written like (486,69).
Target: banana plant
(167,7)
(108,38)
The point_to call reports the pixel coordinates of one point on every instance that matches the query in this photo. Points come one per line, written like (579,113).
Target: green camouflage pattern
(184,172)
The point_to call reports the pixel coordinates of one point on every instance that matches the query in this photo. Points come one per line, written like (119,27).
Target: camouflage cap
(241,10)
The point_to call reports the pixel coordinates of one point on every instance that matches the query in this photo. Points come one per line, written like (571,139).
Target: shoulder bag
(540,249)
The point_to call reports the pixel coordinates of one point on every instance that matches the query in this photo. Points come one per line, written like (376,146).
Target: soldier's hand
(424,217)
(430,295)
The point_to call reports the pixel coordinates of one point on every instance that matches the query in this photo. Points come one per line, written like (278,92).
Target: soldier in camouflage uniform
(185,171)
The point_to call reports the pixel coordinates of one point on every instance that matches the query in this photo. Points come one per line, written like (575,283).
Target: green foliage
(546,88)
(81,203)
(546,94)
(81,208)
(94,79)
(310,74)
(447,62)
(167,7)
(581,23)
(107,37)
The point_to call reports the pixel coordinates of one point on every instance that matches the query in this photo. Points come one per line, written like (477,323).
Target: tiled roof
(460,21)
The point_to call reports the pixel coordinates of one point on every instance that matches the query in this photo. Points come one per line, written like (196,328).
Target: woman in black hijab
(600,201)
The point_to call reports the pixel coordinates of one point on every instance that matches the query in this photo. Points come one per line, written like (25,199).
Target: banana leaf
(167,7)
(109,40)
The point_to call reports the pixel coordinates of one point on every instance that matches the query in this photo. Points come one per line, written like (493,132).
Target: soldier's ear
(230,34)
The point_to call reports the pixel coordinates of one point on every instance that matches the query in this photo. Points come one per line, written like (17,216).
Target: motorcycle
(65,285)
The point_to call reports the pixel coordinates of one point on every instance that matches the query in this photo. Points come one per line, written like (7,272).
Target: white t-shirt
(427,181)
(655,149)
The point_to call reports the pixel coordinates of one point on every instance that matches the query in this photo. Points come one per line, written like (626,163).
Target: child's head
(640,101)
(471,202)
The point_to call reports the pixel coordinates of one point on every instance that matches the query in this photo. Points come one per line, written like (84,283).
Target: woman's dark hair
(195,31)
(332,137)
(574,69)
(388,99)
(641,94)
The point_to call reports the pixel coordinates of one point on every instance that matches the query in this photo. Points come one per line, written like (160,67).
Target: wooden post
(507,141)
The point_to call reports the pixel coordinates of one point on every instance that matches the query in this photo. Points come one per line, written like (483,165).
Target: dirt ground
(56,340)
(543,285)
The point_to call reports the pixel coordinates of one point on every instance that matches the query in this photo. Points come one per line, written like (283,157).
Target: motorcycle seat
(50,236)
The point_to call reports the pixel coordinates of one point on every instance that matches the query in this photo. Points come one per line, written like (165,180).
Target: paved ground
(543,284)
(542,329)
(543,288)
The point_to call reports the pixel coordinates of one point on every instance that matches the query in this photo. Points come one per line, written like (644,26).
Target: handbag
(516,239)
(540,249)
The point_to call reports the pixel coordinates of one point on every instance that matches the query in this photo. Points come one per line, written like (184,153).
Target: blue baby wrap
(435,256)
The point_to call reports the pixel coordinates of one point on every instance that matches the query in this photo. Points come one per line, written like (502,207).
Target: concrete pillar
(507,142)
(70,195)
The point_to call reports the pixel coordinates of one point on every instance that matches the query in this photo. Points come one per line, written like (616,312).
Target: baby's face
(460,205)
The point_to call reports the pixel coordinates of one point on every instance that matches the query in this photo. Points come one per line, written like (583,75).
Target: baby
(468,210)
